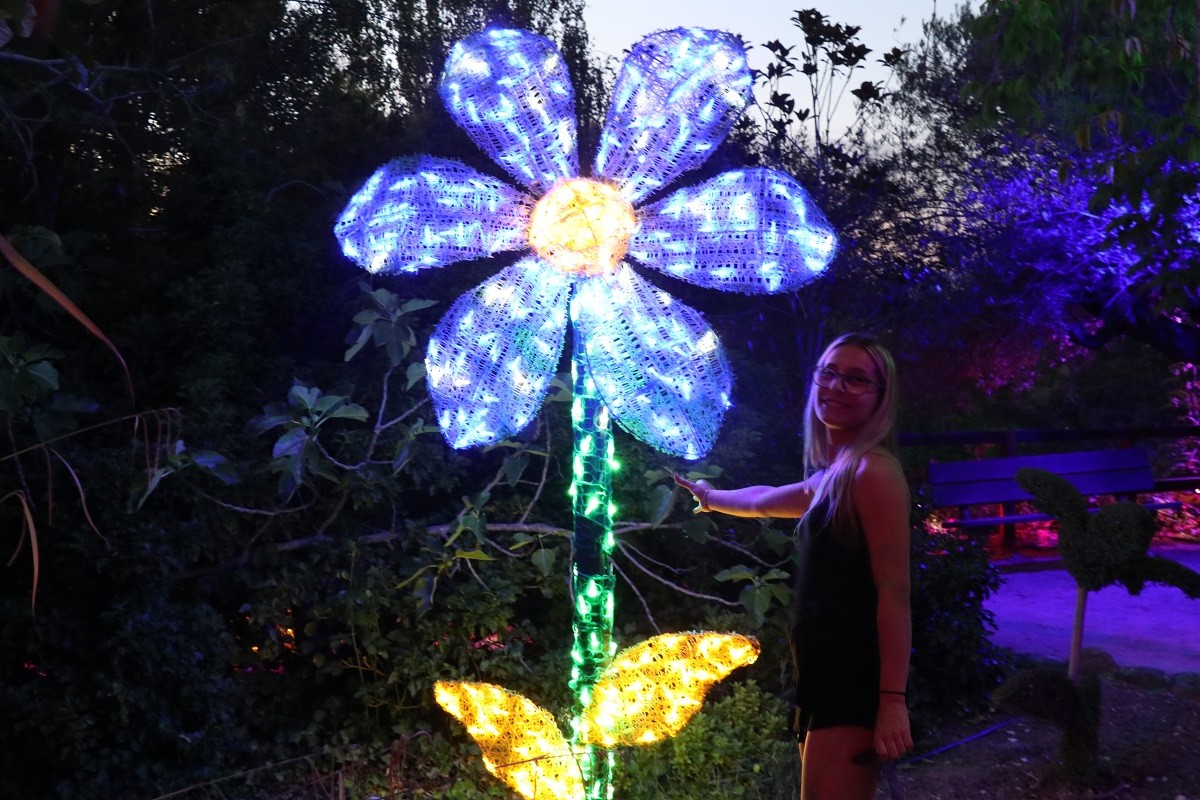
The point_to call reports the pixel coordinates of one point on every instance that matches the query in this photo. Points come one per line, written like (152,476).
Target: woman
(853,632)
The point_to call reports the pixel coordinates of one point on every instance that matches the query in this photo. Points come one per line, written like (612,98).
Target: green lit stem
(591,563)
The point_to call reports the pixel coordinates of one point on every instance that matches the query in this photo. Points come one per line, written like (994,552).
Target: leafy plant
(954,664)
(297,453)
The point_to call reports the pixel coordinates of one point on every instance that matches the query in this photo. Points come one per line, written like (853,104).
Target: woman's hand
(893,737)
(699,490)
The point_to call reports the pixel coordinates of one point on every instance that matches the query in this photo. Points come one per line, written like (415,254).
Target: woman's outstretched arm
(784,502)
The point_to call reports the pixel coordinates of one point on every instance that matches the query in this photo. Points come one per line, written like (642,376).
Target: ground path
(1159,628)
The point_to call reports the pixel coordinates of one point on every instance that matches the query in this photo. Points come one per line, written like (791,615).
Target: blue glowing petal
(416,213)
(656,362)
(491,358)
(511,92)
(676,97)
(753,231)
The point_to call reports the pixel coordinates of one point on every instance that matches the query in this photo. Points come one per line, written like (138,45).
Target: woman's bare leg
(828,771)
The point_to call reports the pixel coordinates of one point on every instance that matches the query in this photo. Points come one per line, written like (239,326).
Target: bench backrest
(990,480)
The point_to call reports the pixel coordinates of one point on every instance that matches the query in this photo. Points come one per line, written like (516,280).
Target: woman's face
(837,406)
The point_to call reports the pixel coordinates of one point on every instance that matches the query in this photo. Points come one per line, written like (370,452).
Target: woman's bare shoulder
(879,467)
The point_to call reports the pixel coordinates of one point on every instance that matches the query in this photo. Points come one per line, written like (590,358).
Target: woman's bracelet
(703,498)
(891,691)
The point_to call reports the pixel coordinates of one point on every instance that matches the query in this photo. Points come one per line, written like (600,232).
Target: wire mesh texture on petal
(421,212)
(491,358)
(677,95)
(656,362)
(651,691)
(510,91)
(521,742)
(753,231)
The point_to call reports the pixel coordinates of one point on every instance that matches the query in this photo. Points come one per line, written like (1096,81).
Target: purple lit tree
(1064,261)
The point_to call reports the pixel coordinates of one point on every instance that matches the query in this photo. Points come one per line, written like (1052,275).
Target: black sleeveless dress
(835,639)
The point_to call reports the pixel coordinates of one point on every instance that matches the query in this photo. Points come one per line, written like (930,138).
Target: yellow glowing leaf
(521,743)
(652,690)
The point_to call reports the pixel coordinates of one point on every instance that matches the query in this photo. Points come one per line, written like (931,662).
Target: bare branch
(642,600)
(542,482)
(682,590)
(747,552)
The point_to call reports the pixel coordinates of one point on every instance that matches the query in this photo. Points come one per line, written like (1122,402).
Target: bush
(734,749)
(954,664)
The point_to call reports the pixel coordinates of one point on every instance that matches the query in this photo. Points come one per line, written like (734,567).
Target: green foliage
(178,459)
(297,453)
(1100,549)
(28,376)
(761,591)
(734,749)
(118,686)
(828,60)
(954,664)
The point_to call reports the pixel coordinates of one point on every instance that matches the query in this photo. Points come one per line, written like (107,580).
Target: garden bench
(1123,473)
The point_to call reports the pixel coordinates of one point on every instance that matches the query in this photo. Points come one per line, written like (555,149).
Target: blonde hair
(878,431)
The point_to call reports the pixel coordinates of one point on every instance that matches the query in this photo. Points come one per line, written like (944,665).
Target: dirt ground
(1149,749)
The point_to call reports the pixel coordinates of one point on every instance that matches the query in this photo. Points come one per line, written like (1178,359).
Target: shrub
(734,749)
(954,664)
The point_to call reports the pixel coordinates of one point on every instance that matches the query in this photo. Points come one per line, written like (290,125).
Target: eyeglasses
(826,378)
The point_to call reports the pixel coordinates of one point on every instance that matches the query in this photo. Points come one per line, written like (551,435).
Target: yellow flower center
(582,226)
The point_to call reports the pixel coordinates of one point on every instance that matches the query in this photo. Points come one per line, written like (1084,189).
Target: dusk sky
(615,25)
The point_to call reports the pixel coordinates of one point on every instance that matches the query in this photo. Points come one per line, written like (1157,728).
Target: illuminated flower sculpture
(638,355)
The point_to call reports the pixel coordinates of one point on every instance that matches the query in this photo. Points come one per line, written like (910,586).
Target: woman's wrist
(702,498)
(892,695)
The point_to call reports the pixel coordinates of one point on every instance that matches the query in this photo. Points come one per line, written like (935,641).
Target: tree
(1072,265)
(1121,83)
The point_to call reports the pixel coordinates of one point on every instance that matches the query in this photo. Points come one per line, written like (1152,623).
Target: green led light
(592,570)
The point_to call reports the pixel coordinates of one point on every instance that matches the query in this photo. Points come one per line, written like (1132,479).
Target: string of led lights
(639,356)
(592,576)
